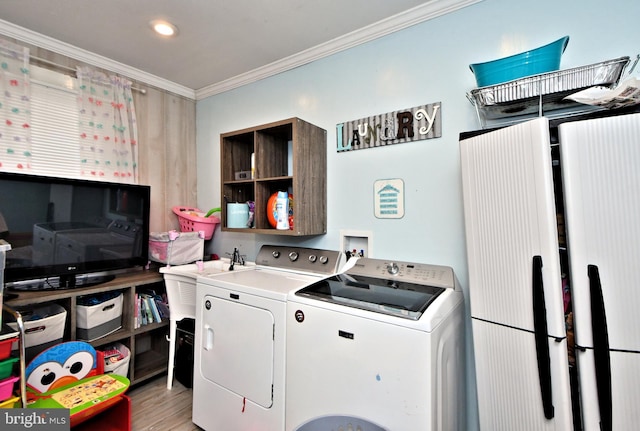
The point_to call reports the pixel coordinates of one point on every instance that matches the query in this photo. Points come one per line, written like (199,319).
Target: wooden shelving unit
(289,155)
(148,344)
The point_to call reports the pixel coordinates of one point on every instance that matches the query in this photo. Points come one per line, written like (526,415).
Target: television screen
(67,232)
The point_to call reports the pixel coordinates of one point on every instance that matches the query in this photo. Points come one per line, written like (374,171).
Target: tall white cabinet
(552,219)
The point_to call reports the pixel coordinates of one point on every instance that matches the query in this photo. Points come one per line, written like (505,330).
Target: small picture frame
(388,196)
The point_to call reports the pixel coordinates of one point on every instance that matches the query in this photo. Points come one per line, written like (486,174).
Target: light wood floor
(155,408)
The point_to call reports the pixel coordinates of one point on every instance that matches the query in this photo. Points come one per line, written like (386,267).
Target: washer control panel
(419,273)
(300,259)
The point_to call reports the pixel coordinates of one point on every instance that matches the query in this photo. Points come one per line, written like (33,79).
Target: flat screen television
(66,233)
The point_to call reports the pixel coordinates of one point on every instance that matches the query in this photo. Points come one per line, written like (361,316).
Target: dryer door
(238,348)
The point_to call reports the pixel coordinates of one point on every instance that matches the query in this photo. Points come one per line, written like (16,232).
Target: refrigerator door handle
(541,333)
(600,348)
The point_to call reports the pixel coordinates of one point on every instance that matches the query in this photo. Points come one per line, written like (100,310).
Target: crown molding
(416,15)
(54,45)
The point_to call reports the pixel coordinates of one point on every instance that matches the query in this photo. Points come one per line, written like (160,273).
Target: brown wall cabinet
(288,155)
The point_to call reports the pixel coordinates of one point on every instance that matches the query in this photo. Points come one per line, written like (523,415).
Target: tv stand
(73,281)
(62,282)
(148,344)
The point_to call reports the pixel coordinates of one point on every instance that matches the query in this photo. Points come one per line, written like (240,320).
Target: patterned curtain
(15,125)
(108,131)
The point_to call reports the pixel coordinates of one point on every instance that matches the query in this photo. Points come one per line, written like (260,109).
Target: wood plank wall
(167,153)
(167,143)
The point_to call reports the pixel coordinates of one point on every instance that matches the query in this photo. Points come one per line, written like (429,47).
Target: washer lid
(393,297)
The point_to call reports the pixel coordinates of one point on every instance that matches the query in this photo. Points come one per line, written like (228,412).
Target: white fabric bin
(103,318)
(43,327)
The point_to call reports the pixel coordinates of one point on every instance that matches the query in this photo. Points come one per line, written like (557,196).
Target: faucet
(235,258)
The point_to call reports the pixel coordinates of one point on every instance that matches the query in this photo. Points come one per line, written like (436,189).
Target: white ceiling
(221,44)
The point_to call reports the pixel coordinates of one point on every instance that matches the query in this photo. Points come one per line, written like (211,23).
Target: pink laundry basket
(193,220)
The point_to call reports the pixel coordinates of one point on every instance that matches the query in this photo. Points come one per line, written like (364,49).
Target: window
(54,124)
(70,127)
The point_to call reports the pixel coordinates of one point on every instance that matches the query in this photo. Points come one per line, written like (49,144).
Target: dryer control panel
(300,259)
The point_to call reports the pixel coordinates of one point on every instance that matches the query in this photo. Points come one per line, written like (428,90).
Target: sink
(180,283)
(210,267)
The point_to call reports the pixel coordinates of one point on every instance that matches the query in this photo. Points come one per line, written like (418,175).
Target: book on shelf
(143,311)
(136,312)
(154,309)
(163,308)
(147,309)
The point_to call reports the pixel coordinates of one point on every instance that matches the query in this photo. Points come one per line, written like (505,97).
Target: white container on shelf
(282,211)
(98,320)
(43,327)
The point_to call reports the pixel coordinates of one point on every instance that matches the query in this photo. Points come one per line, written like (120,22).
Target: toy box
(98,315)
(176,248)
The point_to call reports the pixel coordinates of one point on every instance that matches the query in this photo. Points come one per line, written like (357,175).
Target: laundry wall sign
(397,127)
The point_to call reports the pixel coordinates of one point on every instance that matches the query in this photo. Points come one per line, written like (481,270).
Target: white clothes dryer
(379,347)
(239,353)
(180,282)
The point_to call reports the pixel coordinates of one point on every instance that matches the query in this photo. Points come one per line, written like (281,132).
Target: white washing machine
(378,347)
(239,353)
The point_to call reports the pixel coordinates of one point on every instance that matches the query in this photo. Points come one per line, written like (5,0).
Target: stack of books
(151,308)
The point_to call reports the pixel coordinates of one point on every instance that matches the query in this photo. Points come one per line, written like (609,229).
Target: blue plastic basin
(539,60)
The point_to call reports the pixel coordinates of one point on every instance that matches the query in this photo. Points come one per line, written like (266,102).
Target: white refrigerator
(515,193)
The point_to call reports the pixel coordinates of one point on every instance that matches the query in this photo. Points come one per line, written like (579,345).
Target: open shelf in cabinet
(288,155)
(152,352)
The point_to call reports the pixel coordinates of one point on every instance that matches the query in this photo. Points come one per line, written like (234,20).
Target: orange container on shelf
(194,220)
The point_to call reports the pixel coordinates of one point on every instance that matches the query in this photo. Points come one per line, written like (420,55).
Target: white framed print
(388,196)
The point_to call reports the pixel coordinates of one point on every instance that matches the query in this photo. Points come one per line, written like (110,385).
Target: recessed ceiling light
(164,28)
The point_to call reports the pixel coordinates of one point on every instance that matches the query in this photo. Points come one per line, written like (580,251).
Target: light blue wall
(424,64)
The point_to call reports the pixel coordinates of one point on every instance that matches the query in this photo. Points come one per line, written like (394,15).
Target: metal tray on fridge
(538,94)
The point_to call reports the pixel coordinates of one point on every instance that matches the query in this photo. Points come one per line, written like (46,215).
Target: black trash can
(184,352)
